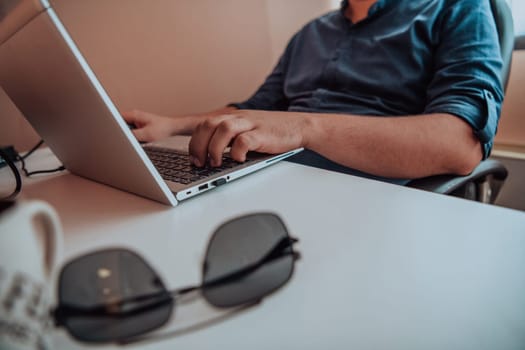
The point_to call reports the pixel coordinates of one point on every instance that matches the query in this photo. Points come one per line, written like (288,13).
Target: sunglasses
(115,296)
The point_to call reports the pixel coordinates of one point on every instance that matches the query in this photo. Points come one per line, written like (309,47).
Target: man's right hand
(151,127)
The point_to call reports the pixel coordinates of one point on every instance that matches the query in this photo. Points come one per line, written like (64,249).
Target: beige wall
(174,56)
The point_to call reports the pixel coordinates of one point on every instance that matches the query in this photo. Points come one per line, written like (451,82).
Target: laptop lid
(46,76)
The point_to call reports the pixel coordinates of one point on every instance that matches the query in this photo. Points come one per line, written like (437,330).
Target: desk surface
(383,266)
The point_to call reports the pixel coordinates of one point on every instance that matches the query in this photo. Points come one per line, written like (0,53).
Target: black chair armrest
(446,184)
(520,43)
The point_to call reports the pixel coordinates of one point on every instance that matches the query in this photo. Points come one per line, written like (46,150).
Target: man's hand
(244,131)
(151,127)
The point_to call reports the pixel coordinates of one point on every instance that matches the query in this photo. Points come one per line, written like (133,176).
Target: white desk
(383,267)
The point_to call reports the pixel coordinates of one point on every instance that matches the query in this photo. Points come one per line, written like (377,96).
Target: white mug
(30,246)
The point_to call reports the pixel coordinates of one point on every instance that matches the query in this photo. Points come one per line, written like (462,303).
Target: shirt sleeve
(468,68)
(270,96)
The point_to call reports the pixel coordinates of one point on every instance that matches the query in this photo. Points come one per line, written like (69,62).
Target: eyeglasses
(115,296)
(8,157)
(5,159)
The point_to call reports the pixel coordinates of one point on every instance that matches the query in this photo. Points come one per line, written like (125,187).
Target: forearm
(396,147)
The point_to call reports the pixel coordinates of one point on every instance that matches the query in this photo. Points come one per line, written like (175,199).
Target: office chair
(520,43)
(484,183)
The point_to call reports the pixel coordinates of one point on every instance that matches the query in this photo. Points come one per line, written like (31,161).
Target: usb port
(203,187)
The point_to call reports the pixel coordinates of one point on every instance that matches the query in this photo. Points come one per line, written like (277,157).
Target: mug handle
(52,233)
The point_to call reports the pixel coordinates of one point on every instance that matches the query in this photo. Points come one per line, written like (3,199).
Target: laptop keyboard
(176,167)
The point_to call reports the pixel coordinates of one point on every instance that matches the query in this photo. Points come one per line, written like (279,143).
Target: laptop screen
(46,76)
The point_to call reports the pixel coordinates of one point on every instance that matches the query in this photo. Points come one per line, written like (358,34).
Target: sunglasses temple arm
(64,310)
(275,253)
(187,330)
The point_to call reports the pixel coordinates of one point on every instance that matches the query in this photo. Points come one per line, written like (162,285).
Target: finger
(135,117)
(142,135)
(225,132)
(201,137)
(243,143)
(135,120)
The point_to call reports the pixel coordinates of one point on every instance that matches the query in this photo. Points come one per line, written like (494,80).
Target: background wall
(174,57)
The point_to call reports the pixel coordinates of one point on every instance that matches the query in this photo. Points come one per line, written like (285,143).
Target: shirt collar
(375,8)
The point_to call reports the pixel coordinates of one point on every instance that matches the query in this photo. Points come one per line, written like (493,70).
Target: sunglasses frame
(63,311)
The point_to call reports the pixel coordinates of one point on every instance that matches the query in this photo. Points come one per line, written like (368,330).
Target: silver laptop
(46,76)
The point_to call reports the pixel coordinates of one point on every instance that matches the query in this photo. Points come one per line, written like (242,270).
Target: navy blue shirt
(408,57)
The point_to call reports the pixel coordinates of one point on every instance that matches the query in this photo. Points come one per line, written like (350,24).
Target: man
(399,89)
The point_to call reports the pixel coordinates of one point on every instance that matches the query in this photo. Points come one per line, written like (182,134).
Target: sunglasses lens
(239,244)
(104,279)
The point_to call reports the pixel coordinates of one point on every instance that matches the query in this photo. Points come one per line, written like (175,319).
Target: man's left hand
(244,131)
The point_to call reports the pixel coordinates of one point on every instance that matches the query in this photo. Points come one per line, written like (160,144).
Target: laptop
(48,79)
